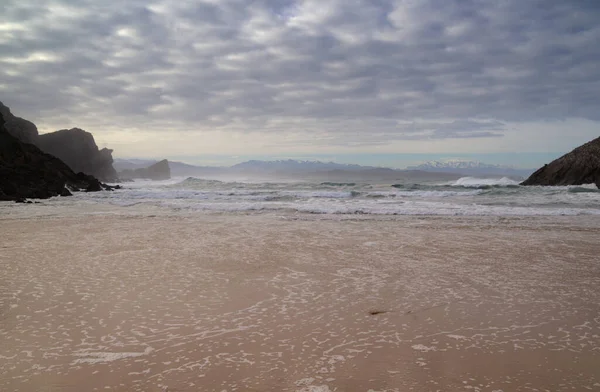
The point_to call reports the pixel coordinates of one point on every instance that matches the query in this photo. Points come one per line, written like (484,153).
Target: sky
(384,82)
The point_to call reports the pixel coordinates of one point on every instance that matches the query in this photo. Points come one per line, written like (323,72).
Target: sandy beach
(236,302)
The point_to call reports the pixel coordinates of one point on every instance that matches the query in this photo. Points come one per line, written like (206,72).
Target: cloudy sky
(376,81)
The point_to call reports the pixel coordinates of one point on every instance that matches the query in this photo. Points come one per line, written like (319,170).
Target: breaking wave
(485,183)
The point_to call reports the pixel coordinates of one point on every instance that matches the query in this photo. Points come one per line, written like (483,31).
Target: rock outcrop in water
(580,166)
(28,172)
(158,171)
(77,148)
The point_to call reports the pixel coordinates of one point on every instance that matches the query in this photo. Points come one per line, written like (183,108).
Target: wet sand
(268,303)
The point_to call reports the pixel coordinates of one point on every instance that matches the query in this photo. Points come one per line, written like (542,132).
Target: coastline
(263,302)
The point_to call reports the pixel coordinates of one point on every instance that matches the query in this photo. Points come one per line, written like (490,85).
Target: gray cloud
(452,69)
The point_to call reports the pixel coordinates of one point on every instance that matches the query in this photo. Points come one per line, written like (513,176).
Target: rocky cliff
(28,172)
(159,171)
(77,148)
(580,166)
(24,130)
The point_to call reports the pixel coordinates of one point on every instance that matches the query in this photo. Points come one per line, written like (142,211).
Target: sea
(467,196)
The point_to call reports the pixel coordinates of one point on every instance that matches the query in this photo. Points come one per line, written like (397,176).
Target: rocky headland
(75,147)
(578,167)
(28,172)
(158,171)
(22,129)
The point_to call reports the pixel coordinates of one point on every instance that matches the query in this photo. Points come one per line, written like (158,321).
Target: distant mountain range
(290,169)
(250,167)
(471,168)
(326,170)
(291,165)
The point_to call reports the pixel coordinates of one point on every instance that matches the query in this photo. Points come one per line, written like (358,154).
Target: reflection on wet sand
(265,303)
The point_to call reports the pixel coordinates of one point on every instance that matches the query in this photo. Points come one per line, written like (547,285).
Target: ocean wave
(434,193)
(338,183)
(193,181)
(412,186)
(484,183)
(323,194)
(582,189)
(408,209)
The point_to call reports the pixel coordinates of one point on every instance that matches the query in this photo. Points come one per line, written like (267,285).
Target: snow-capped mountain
(470,168)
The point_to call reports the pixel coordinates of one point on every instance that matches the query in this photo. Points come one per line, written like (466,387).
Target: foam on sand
(241,302)
(98,357)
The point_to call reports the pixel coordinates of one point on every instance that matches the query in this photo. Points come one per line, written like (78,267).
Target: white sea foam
(438,193)
(318,194)
(315,388)
(457,337)
(423,348)
(306,385)
(97,357)
(472,182)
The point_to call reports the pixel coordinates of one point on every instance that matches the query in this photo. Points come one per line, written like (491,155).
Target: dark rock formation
(24,130)
(75,147)
(159,171)
(79,151)
(27,172)
(580,166)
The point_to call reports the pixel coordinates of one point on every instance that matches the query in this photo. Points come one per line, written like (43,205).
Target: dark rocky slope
(580,166)
(159,171)
(24,130)
(77,148)
(28,172)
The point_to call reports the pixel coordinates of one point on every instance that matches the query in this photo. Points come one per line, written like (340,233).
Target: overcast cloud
(344,73)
